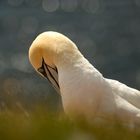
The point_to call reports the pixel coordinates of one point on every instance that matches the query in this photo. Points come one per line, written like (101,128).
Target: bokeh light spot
(137,2)
(91,6)
(10,23)
(69,5)
(50,5)
(15,2)
(33,3)
(29,25)
(20,62)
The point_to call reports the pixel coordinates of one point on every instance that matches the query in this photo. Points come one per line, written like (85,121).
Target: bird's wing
(129,94)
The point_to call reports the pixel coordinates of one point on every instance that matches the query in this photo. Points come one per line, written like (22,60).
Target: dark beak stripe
(51,74)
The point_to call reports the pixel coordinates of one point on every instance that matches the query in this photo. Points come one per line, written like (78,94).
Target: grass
(40,124)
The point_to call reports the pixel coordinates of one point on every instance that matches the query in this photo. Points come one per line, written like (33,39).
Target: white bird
(84,91)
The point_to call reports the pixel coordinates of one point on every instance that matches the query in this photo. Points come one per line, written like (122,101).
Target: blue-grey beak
(50,73)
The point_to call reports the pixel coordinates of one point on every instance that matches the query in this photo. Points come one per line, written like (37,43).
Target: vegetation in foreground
(41,125)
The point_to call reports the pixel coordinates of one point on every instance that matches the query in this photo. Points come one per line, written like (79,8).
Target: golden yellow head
(49,46)
(47,51)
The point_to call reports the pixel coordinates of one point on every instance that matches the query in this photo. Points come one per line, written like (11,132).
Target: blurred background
(106,32)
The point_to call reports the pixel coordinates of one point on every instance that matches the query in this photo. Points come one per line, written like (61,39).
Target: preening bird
(83,89)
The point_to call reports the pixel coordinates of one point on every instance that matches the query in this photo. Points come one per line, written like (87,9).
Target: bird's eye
(41,70)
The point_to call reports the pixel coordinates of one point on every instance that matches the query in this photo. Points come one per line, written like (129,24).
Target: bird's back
(130,94)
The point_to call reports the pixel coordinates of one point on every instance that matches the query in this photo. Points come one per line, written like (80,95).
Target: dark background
(107,32)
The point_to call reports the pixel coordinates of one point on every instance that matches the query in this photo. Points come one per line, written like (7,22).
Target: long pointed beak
(51,74)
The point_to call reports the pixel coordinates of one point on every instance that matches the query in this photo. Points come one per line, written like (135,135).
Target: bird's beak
(50,73)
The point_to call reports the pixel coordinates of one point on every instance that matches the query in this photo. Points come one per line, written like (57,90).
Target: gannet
(85,92)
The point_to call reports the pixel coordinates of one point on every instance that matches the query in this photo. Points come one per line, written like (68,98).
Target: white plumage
(85,92)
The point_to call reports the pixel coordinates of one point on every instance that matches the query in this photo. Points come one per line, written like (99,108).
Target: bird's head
(48,51)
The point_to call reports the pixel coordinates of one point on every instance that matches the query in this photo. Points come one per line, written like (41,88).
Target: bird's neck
(75,63)
(78,77)
(74,71)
